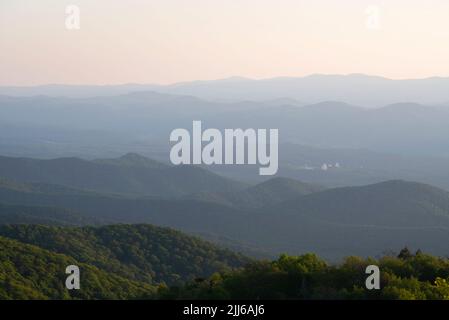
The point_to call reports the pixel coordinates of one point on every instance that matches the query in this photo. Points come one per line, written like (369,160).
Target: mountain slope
(133,160)
(392,203)
(43,188)
(30,272)
(136,252)
(126,175)
(280,189)
(17,214)
(365,220)
(272,191)
(185,214)
(194,216)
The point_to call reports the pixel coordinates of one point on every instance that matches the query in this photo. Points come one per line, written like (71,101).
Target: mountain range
(271,191)
(278,215)
(129,174)
(85,180)
(356,89)
(144,120)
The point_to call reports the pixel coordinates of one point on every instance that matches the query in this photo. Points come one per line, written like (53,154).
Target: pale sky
(167,41)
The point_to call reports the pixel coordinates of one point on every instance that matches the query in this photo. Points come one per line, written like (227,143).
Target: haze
(171,41)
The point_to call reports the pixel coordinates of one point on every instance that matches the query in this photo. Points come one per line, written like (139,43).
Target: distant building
(328,166)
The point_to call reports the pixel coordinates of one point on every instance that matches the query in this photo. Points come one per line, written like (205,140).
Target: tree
(405,254)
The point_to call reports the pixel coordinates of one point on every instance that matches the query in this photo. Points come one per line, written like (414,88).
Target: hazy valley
(85,178)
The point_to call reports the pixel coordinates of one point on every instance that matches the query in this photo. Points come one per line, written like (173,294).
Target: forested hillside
(136,252)
(296,217)
(407,276)
(112,268)
(30,272)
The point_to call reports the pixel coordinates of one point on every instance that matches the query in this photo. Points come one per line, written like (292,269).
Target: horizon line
(230,78)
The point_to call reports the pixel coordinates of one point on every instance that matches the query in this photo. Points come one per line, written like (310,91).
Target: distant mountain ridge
(366,220)
(133,160)
(362,220)
(45,215)
(358,89)
(392,203)
(130,174)
(136,121)
(271,191)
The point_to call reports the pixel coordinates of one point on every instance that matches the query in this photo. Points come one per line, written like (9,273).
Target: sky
(168,41)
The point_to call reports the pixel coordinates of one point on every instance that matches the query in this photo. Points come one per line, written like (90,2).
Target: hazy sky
(165,41)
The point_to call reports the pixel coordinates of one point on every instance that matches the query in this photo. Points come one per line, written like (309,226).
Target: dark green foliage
(137,252)
(108,257)
(308,277)
(29,272)
(405,254)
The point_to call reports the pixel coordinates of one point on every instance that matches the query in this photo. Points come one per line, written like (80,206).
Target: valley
(279,215)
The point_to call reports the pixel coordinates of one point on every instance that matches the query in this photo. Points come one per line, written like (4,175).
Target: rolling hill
(19,214)
(271,191)
(393,203)
(30,272)
(366,220)
(142,253)
(110,209)
(131,174)
(359,220)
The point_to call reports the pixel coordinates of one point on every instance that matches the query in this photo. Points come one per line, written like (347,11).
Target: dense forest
(30,272)
(406,276)
(137,252)
(148,262)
